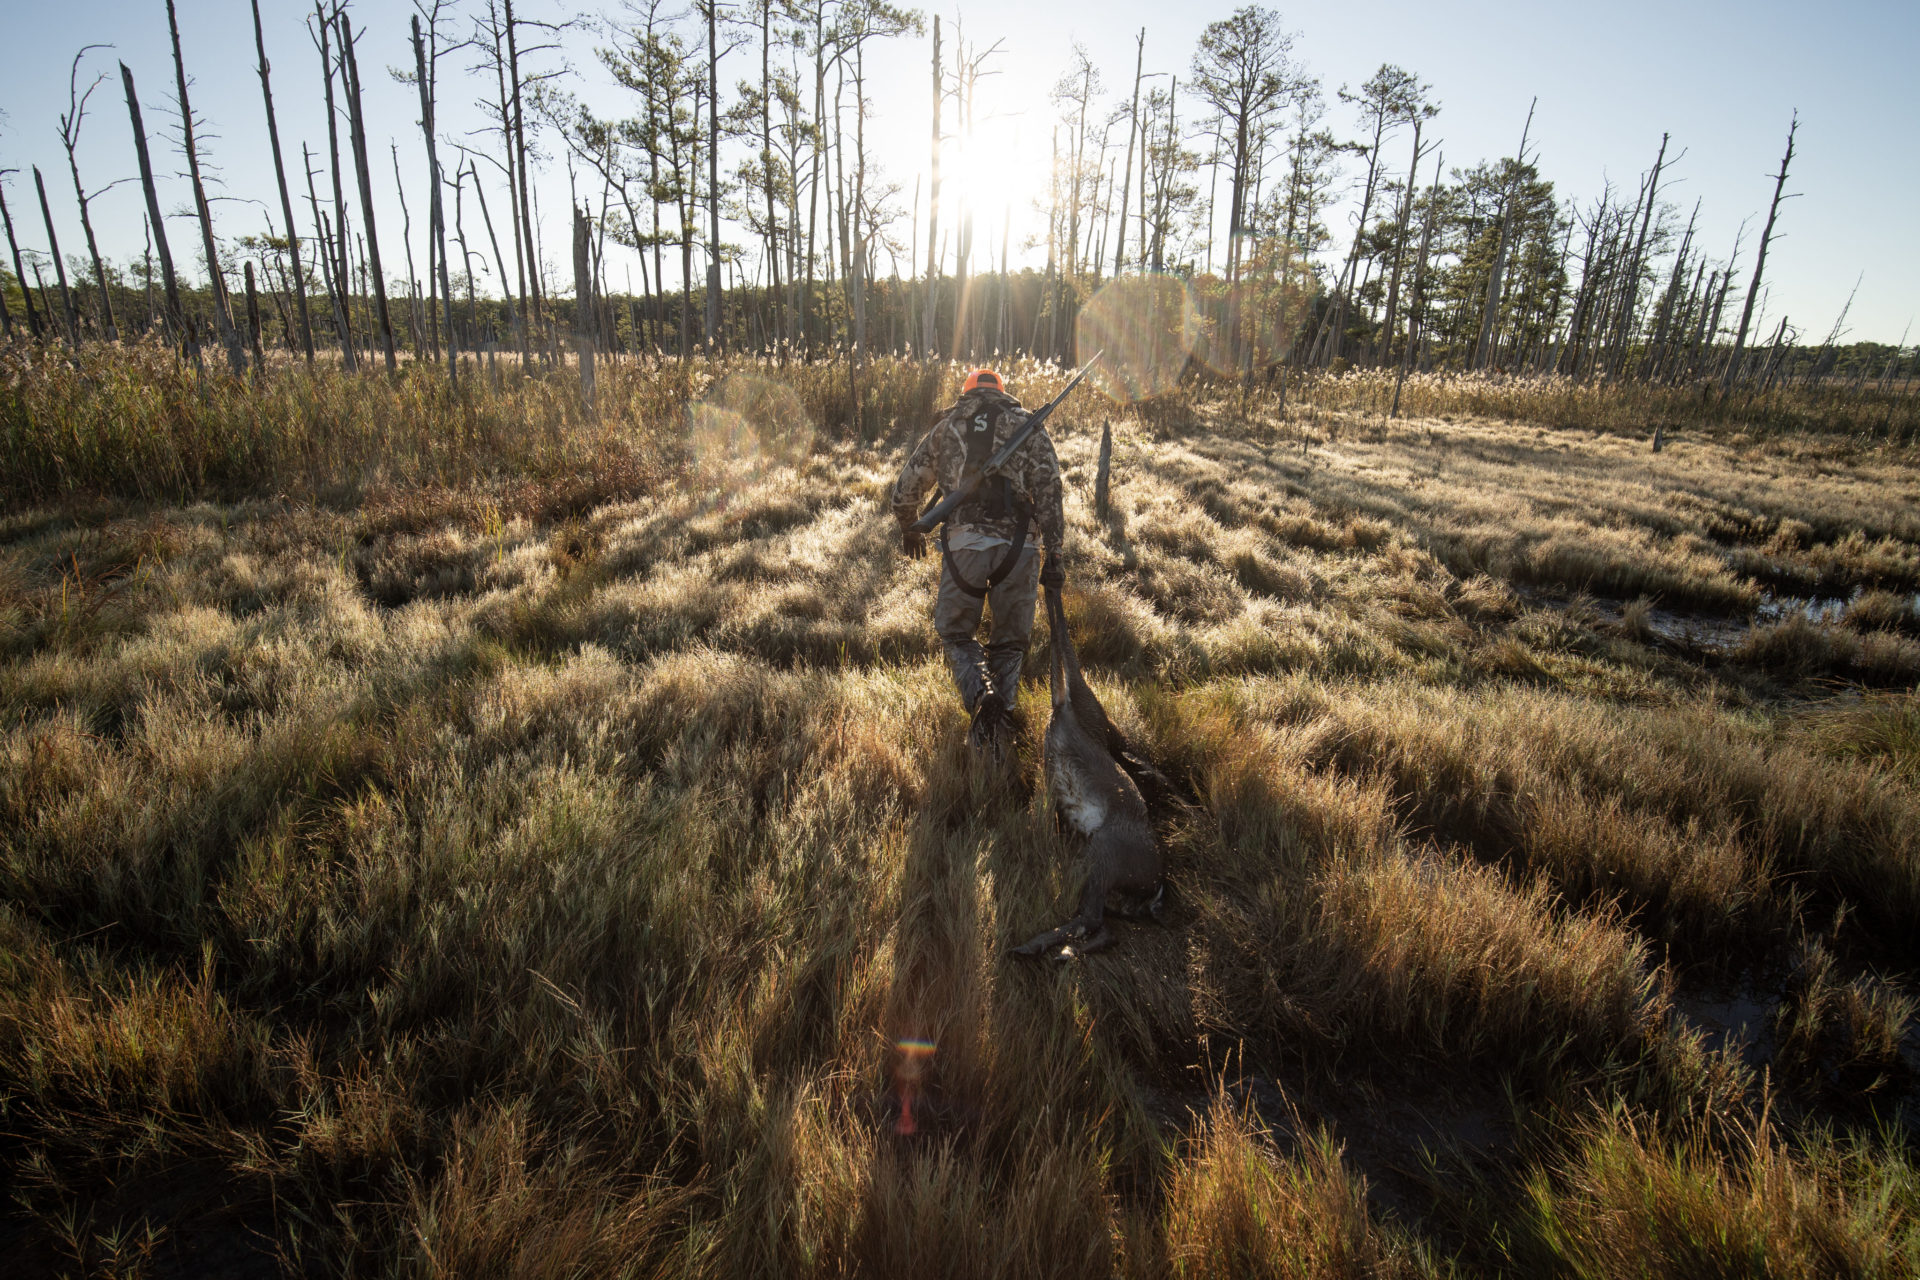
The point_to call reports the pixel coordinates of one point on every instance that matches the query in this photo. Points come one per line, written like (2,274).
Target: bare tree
(969,69)
(1760,261)
(583,304)
(222,310)
(1636,265)
(517,159)
(426,73)
(357,130)
(19,271)
(280,175)
(59,267)
(1385,345)
(929,325)
(1483,349)
(343,305)
(70,123)
(1133,130)
(1416,306)
(336,289)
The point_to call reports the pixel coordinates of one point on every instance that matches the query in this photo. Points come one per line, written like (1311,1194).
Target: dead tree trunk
(1636,261)
(19,271)
(1133,128)
(1659,343)
(253,324)
(222,312)
(286,200)
(1400,248)
(583,304)
(342,276)
(1416,303)
(513,322)
(336,290)
(59,266)
(517,157)
(1483,349)
(415,323)
(1760,262)
(175,317)
(357,130)
(436,212)
(929,324)
(1103,478)
(70,139)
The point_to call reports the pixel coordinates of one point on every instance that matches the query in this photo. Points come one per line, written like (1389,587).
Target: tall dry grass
(535,874)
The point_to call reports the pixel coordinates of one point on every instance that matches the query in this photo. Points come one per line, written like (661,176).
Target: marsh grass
(427,854)
(1627,1201)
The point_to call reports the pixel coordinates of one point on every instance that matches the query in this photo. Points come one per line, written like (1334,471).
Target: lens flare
(906,1074)
(1147,326)
(746,424)
(1253,324)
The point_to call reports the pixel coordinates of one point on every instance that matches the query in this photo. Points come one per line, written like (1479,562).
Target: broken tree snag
(357,130)
(222,314)
(517,161)
(70,139)
(1417,301)
(583,304)
(334,295)
(1623,339)
(436,212)
(19,272)
(929,325)
(506,294)
(176,319)
(1104,477)
(1483,349)
(286,201)
(1760,262)
(253,323)
(59,267)
(342,275)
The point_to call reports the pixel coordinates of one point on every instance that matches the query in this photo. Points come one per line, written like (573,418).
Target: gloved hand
(912,544)
(1053,575)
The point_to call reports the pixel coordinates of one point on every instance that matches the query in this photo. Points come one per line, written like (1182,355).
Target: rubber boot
(968,663)
(991,729)
(1004,665)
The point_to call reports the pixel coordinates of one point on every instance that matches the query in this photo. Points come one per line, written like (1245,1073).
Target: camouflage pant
(956,617)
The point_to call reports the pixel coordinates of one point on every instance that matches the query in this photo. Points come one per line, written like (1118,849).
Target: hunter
(986,545)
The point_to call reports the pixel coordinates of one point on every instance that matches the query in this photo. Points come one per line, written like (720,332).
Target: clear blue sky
(1721,77)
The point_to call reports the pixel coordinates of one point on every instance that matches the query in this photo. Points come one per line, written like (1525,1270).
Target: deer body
(1096,797)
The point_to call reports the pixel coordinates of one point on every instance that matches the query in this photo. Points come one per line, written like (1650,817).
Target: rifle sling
(1001,570)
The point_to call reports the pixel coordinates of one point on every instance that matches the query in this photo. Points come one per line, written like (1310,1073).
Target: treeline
(760,221)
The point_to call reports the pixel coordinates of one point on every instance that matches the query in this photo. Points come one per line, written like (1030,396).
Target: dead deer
(1099,799)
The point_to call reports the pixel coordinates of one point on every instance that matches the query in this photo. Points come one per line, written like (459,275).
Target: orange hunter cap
(983,378)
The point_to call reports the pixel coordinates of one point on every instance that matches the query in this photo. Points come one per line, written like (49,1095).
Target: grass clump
(1627,1201)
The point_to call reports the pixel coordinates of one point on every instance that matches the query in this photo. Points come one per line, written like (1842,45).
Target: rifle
(939,511)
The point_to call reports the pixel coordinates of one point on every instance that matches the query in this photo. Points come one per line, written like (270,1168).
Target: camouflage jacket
(941,457)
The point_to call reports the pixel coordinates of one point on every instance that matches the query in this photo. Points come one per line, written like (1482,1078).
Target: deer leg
(1099,939)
